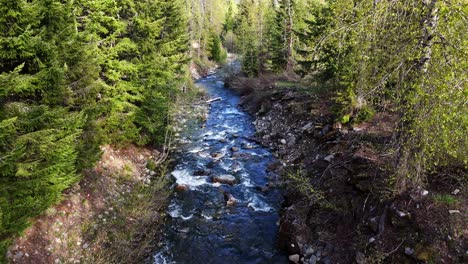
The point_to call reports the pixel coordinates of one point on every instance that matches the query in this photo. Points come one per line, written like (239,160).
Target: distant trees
(209,23)
(75,75)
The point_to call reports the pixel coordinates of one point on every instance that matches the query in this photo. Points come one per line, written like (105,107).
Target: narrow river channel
(232,220)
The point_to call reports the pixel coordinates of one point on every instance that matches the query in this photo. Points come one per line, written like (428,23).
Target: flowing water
(202,227)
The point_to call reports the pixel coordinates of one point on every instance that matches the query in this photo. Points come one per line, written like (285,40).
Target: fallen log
(214,100)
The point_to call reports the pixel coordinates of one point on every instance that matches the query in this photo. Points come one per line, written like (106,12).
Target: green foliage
(406,57)
(446,199)
(75,75)
(303,185)
(218,53)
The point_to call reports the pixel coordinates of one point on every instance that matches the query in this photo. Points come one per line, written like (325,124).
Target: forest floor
(340,204)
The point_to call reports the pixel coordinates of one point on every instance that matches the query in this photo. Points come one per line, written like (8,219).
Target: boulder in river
(234,149)
(181,188)
(225,179)
(230,200)
(203,172)
(217,155)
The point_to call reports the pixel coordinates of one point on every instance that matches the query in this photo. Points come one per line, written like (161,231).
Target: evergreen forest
(76,75)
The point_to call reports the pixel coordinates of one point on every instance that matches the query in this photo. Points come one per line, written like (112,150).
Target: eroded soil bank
(340,207)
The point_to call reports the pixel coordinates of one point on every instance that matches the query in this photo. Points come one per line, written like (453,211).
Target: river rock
(308,251)
(225,179)
(217,155)
(181,188)
(230,200)
(234,149)
(313,260)
(295,258)
(201,173)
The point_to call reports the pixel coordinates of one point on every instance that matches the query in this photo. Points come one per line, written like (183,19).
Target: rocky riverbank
(340,205)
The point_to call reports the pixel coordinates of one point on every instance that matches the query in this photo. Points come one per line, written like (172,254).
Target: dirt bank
(112,215)
(341,204)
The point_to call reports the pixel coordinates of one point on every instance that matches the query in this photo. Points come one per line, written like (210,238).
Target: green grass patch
(446,199)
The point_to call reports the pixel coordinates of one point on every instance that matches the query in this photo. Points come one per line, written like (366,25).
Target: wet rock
(181,188)
(201,173)
(262,188)
(217,155)
(225,179)
(235,135)
(234,149)
(295,258)
(223,140)
(230,200)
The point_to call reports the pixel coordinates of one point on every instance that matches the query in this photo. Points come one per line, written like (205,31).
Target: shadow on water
(202,228)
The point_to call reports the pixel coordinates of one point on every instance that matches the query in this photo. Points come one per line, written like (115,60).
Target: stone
(230,200)
(308,251)
(409,251)
(181,188)
(234,149)
(454,211)
(225,179)
(283,141)
(313,260)
(295,258)
(217,155)
(329,158)
(18,255)
(456,191)
(201,173)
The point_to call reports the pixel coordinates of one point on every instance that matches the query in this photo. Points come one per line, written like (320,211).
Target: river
(202,227)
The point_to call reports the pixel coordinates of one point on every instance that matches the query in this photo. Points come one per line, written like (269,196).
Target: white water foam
(232,111)
(196,150)
(258,205)
(183,177)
